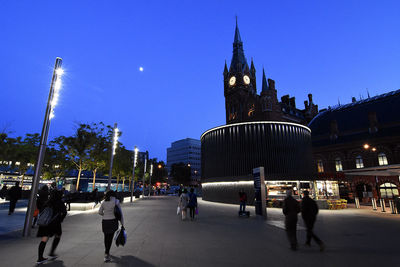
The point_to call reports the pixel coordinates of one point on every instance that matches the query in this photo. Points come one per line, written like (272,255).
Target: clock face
(246,79)
(232,81)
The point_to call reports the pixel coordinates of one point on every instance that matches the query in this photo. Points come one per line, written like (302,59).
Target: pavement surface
(218,237)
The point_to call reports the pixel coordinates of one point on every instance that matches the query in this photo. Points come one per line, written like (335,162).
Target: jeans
(242,206)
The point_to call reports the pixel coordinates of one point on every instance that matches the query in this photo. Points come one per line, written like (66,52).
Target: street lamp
(144,170)
(55,87)
(114,147)
(151,173)
(135,156)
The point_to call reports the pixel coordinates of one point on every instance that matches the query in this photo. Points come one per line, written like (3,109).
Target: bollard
(382,204)
(357,201)
(374,206)
(392,208)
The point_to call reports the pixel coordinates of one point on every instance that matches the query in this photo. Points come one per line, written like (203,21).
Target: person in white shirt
(109,222)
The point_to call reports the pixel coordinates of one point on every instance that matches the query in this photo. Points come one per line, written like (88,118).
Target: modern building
(358,145)
(260,132)
(187,151)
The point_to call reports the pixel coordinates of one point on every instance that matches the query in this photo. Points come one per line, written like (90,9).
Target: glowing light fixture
(366,146)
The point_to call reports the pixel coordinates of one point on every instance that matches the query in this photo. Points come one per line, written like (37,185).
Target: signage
(259,191)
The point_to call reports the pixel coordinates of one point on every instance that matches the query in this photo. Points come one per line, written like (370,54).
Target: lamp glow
(366,146)
(115,140)
(59,71)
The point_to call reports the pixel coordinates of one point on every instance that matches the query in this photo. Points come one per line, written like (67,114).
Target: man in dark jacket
(14,194)
(309,211)
(290,208)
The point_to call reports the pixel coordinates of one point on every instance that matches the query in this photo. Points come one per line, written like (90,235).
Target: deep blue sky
(332,49)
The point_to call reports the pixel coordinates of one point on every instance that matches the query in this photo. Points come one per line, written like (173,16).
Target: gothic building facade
(243,104)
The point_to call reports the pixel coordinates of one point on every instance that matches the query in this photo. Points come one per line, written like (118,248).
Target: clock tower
(241,99)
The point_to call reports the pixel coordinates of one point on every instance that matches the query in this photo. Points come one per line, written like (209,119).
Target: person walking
(42,198)
(53,228)
(3,192)
(183,203)
(14,194)
(309,211)
(243,200)
(192,203)
(290,208)
(110,222)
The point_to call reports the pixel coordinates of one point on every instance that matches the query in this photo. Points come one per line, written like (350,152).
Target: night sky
(332,49)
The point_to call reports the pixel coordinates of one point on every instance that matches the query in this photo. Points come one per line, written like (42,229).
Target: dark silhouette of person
(53,228)
(309,211)
(192,203)
(290,208)
(243,200)
(14,193)
(3,192)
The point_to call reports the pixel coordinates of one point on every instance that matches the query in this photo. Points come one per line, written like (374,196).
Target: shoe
(107,258)
(40,261)
(53,257)
(322,247)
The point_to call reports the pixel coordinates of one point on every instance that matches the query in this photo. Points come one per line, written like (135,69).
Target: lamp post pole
(144,171)
(151,173)
(49,114)
(114,145)
(136,150)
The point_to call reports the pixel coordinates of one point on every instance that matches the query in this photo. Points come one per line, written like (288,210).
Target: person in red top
(243,200)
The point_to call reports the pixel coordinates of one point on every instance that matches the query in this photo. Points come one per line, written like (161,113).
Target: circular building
(230,153)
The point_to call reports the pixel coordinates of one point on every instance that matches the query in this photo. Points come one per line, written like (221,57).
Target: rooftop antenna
(368,93)
(338,101)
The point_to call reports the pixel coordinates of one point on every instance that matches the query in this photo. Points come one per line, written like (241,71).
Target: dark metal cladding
(230,152)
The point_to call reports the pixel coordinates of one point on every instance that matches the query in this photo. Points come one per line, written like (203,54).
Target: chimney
(353,100)
(306,104)
(292,102)
(310,98)
(285,99)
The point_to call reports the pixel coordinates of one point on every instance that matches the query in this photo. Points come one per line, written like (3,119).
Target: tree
(160,173)
(123,164)
(77,148)
(98,155)
(26,151)
(181,173)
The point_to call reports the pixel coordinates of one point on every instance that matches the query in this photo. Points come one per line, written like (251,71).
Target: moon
(140,68)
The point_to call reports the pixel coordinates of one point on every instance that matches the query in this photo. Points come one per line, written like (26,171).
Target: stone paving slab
(218,237)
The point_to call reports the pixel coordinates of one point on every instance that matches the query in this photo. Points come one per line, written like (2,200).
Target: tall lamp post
(144,171)
(114,147)
(135,155)
(151,173)
(55,87)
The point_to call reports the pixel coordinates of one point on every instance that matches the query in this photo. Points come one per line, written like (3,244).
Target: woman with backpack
(192,203)
(56,212)
(110,222)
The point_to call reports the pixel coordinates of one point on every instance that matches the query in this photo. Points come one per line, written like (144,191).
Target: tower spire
(264,82)
(238,62)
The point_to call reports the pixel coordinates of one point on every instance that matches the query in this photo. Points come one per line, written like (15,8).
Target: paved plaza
(157,237)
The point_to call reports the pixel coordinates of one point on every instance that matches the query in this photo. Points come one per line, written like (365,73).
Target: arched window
(382,159)
(320,166)
(388,190)
(359,162)
(338,165)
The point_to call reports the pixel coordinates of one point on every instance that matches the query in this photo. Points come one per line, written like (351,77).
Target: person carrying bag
(111,211)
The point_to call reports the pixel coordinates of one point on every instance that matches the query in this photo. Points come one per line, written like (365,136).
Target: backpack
(46,217)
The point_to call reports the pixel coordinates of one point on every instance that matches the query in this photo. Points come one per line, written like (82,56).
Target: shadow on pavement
(56,263)
(130,261)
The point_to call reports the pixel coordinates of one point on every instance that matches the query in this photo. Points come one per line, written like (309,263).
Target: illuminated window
(388,190)
(320,166)
(359,162)
(382,159)
(338,164)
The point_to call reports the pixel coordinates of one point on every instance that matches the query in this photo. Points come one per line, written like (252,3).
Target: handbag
(197,211)
(46,217)
(120,237)
(178,210)
(117,212)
